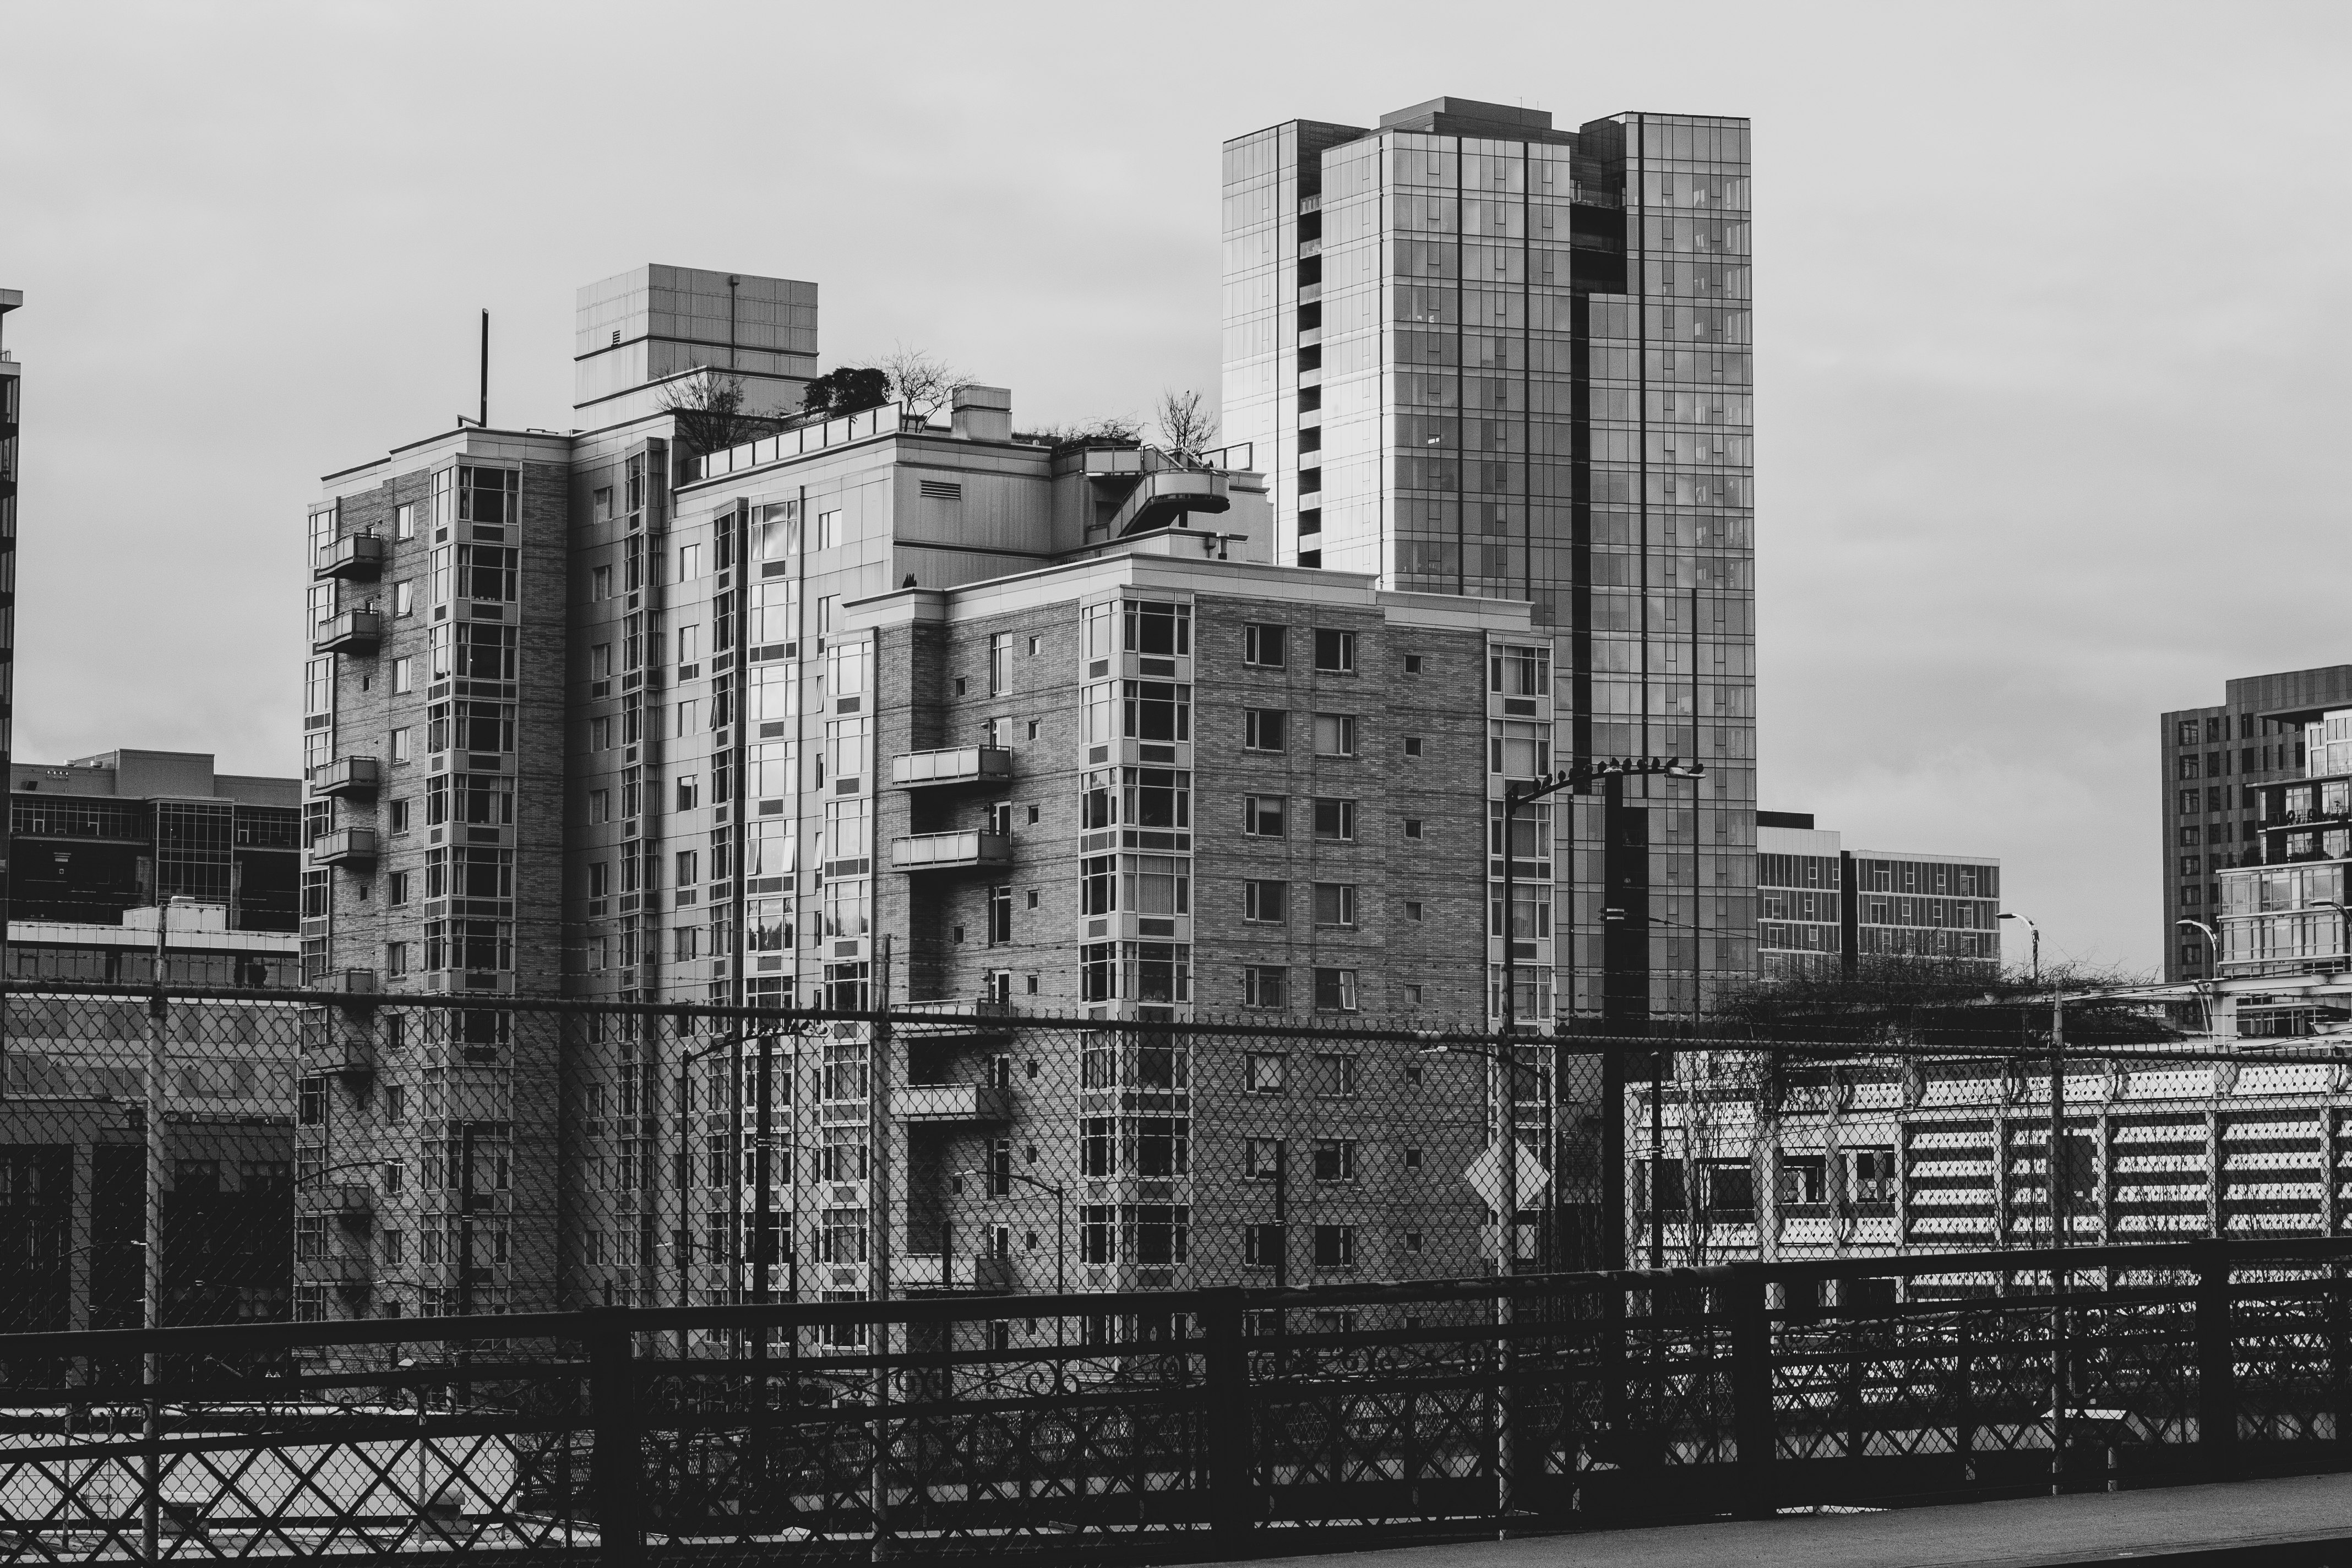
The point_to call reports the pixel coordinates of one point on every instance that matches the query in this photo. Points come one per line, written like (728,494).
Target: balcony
(979,1274)
(977,1103)
(352,777)
(356,558)
(954,765)
(352,846)
(968,851)
(355,1205)
(352,1058)
(354,632)
(358,985)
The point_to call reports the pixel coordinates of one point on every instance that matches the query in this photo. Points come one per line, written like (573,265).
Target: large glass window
(1159,884)
(1160,630)
(489,495)
(1158,711)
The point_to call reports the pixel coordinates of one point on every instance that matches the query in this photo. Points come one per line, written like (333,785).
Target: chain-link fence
(324,1156)
(964,1276)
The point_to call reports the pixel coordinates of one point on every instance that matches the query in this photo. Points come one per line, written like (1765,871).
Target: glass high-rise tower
(1478,355)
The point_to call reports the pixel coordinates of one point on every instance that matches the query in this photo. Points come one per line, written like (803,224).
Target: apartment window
(1335,1246)
(395,956)
(1261,1246)
(1165,630)
(1334,1159)
(1000,916)
(1412,747)
(1266,646)
(1033,735)
(404,598)
(688,867)
(1335,651)
(1413,664)
(688,944)
(1520,749)
(1265,986)
(1335,820)
(1334,734)
(689,562)
(1520,671)
(1000,658)
(403,675)
(404,520)
(310,1101)
(1264,728)
(1262,816)
(600,660)
(1335,990)
(397,813)
(1267,902)
(1335,1075)
(689,718)
(1870,1176)
(689,792)
(1262,1072)
(1412,827)
(1261,1158)
(1158,711)
(600,805)
(2192,866)
(396,888)
(1335,904)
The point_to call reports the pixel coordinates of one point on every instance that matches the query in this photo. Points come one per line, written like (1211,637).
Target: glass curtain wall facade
(1481,356)
(2213,764)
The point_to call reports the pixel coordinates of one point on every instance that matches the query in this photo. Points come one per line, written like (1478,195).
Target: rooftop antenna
(484,416)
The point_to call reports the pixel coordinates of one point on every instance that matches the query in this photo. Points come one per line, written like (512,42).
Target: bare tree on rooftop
(922,381)
(1109,430)
(1186,425)
(708,408)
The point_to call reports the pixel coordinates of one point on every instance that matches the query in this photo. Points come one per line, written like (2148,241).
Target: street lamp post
(1506,1150)
(684,1169)
(2213,950)
(2036,930)
(1575,776)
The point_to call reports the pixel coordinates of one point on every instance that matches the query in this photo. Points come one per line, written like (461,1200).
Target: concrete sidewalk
(2303,1521)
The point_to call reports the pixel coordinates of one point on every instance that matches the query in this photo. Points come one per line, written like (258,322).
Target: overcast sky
(2049,327)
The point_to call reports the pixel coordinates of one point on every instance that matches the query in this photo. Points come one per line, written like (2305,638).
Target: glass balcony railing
(951,851)
(344,846)
(356,558)
(352,632)
(346,776)
(937,1102)
(953,765)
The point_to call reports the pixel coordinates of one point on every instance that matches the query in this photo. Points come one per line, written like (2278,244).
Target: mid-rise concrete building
(2215,763)
(593,716)
(1477,354)
(126,829)
(73,1098)
(1822,908)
